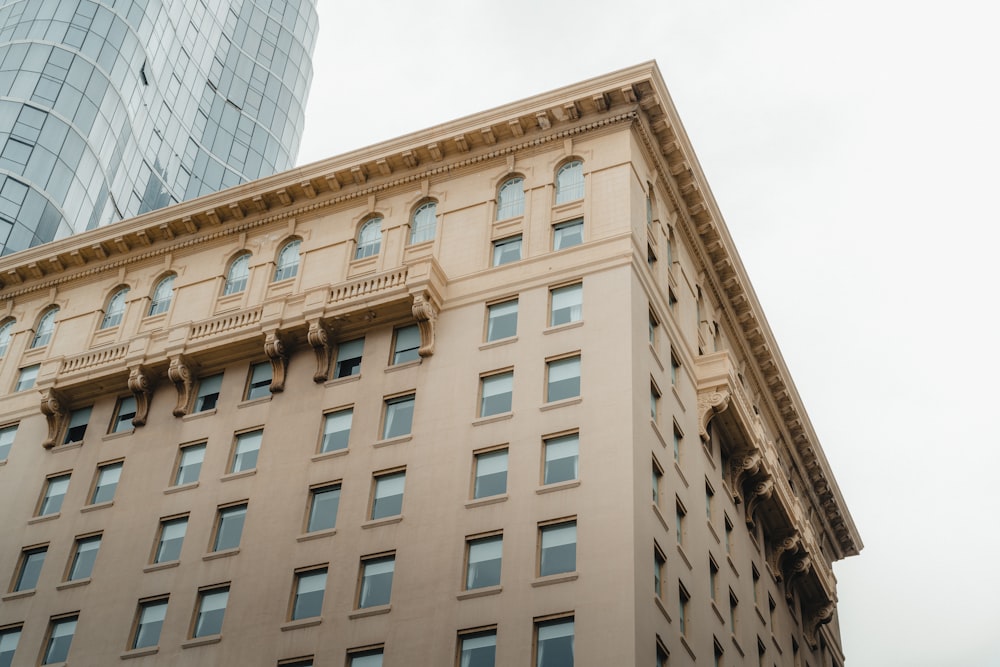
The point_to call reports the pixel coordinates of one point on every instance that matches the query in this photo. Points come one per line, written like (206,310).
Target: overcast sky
(854,150)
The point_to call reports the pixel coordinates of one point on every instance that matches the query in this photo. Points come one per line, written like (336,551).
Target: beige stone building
(497,392)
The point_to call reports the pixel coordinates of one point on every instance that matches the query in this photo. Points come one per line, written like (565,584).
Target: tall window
(506,250)
(349,358)
(369,239)
(208,393)
(336,430)
(310,587)
(7,434)
(115,310)
(323,504)
(229,527)
(563,379)
(106,483)
(77,427)
(654,402)
(387,495)
(9,637)
(84,557)
(510,198)
(61,631)
(238,273)
(569,182)
(170,539)
(43,332)
(567,234)
(561,458)
(189,464)
(557,552)
(245,451)
(55,490)
(501,320)
(376,581)
(554,643)
(682,608)
(478,649)
(149,622)
(566,304)
(288,261)
(6,331)
(124,414)
(496,393)
(211,611)
(163,294)
(659,563)
(259,384)
(424,223)
(491,473)
(483,558)
(30,568)
(657,482)
(398,416)
(26,377)
(406,344)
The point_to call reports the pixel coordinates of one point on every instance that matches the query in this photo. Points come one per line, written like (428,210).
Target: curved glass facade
(111,108)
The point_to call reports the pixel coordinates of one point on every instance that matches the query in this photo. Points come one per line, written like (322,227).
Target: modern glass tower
(111,108)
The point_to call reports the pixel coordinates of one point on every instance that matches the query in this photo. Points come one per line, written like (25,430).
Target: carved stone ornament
(820,616)
(320,339)
(140,383)
(761,491)
(425,312)
(710,404)
(277,352)
(744,470)
(180,374)
(56,414)
(791,543)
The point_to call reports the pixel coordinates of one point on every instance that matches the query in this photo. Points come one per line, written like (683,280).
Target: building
(495,391)
(111,108)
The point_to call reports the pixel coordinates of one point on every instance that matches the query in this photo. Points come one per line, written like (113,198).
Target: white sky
(852,147)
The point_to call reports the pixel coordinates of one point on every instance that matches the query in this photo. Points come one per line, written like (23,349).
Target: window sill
(73,584)
(370,611)
(656,356)
(254,401)
(732,565)
(343,380)
(558,486)
(165,565)
(479,592)
(680,473)
(498,342)
(488,500)
(687,647)
(677,395)
(737,645)
(393,441)
(96,506)
(139,652)
(323,456)
(117,434)
(68,446)
(225,553)
(663,610)
(657,433)
(708,454)
(493,418)
(302,623)
(659,515)
(317,535)
(238,475)
(199,415)
(680,551)
(711,529)
(202,641)
(555,579)
(403,366)
(760,614)
(17,595)
(561,403)
(718,614)
(375,523)
(41,519)
(181,487)
(562,327)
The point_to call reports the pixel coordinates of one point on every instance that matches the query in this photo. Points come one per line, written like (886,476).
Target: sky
(852,148)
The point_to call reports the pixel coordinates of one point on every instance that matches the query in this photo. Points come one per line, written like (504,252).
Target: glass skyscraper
(111,108)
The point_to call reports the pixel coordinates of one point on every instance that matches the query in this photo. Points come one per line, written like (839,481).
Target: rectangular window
(189,464)
(7,434)
(713,579)
(679,522)
(310,587)
(659,564)
(729,536)
(733,603)
(208,393)
(259,384)
(657,482)
(709,496)
(84,557)
(661,654)
(496,393)
(26,377)
(566,304)
(323,504)
(106,483)
(371,658)
(169,539)
(563,379)
(211,611)
(557,548)
(55,491)
(554,643)
(77,428)
(567,234)
(376,581)
(245,450)
(148,622)
(674,367)
(406,344)
(29,569)
(398,416)
(682,607)
(387,496)
(654,402)
(650,257)
(336,430)
(654,327)
(507,250)
(124,414)
(501,320)
(349,358)
(490,473)
(9,637)
(60,636)
(678,441)
(756,584)
(229,527)
(561,458)
(483,558)
(477,649)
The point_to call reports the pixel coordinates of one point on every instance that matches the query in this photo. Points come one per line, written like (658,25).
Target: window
(288,261)
(654,326)
(211,611)
(369,239)
(566,304)
(713,578)
(564,379)
(650,257)
(55,491)
(9,637)
(718,652)
(729,536)
(424,223)
(561,458)
(709,495)
(678,440)
(259,385)
(557,548)
(674,367)
(490,473)
(170,539)
(569,182)
(387,499)
(43,332)
(406,344)
(189,464)
(733,603)
(756,584)
(84,556)
(163,294)
(554,643)
(682,607)
(310,586)
(336,430)
(654,402)
(6,331)
(7,434)
(106,482)
(238,273)
(208,393)
(659,563)
(506,250)
(501,320)
(483,560)
(115,309)
(229,527)
(661,654)
(30,568)
(567,234)
(478,649)
(149,622)
(398,416)
(349,358)
(124,414)
(657,482)
(496,393)
(371,658)
(77,427)
(60,637)
(376,581)
(245,451)
(323,504)
(510,198)
(679,515)
(26,377)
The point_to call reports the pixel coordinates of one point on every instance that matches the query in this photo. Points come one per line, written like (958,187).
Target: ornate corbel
(761,491)
(820,616)
(180,374)
(319,338)
(140,383)
(709,404)
(425,312)
(791,543)
(277,353)
(801,564)
(743,469)
(56,414)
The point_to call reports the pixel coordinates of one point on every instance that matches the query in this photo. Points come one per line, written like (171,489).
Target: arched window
(369,239)
(510,200)
(288,261)
(115,310)
(569,182)
(43,332)
(236,277)
(424,223)
(162,296)
(6,331)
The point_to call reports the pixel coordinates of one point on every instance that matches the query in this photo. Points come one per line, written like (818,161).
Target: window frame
(324,436)
(256,387)
(137,623)
(45,328)
(235,512)
(299,576)
(159,300)
(45,497)
(126,408)
(554,620)
(388,414)
(237,274)
(75,430)
(27,376)
(114,309)
(500,251)
(158,542)
(559,362)
(470,542)
(74,557)
(365,652)
(12,630)
(6,335)
(556,439)
(554,293)
(201,394)
(204,593)
(50,638)
(373,498)
(659,571)
(562,241)
(286,268)
(180,467)
(8,434)
(96,487)
(371,246)
(354,368)
(314,491)
(496,377)
(488,336)
(235,453)
(549,527)
(369,560)
(473,634)
(419,228)
(411,353)
(489,451)
(514,206)
(570,190)
(27,558)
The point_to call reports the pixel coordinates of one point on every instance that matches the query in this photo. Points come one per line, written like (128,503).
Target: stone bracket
(54,407)
(710,403)
(140,383)
(181,374)
(277,352)
(321,340)
(425,312)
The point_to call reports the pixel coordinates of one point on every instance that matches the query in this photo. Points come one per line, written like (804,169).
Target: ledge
(181,487)
(139,652)
(718,614)
(555,579)
(375,523)
(238,475)
(199,415)
(711,529)
(680,473)
(680,552)
(737,645)
(165,565)
(663,610)
(656,356)
(76,444)
(492,418)
(561,404)
(97,506)
(399,439)
(46,517)
(117,435)
(17,595)
(370,611)
(656,432)
(498,342)
(316,535)
(488,500)
(687,647)
(343,380)
(558,486)
(73,584)
(254,401)
(302,623)
(480,592)
(202,641)
(323,456)
(402,366)
(562,327)
(760,614)
(225,553)
(659,515)
(732,565)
